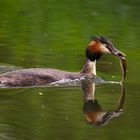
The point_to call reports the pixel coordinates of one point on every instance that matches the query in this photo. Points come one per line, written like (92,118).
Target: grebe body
(43,76)
(35,77)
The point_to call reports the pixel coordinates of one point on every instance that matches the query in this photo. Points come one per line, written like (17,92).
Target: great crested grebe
(98,46)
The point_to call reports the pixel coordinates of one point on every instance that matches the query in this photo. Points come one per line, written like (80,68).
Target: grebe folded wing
(34,76)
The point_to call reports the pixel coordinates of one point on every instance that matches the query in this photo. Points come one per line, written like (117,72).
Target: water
(54,34)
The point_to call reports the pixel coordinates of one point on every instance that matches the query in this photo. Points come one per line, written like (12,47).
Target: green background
(54,33)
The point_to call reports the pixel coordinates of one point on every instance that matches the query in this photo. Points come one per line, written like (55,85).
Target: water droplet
(43,106)
(45,34)
(66,118)
(40,93)
(69,101)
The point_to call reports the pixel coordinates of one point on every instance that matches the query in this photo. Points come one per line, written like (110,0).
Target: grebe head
(99,46)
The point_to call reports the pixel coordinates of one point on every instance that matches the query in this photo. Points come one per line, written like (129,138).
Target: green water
(52,33)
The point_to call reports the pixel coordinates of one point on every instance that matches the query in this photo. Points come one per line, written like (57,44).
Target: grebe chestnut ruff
(98,46)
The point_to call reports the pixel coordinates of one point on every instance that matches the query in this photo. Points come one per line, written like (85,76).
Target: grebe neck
(89,67)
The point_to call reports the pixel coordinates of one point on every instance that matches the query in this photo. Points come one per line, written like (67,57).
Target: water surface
(54,34)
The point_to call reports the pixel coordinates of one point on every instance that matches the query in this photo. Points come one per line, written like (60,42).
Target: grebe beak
(116,52)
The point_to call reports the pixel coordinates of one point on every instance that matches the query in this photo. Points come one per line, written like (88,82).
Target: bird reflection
(92,109)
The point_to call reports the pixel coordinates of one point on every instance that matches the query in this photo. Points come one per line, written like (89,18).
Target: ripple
(5,68)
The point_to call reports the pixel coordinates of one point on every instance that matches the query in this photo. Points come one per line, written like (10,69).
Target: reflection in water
(93,111)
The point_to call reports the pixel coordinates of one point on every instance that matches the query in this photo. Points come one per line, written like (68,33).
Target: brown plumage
(35,77)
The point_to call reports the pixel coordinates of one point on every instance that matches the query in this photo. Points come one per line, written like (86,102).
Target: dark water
(54,34)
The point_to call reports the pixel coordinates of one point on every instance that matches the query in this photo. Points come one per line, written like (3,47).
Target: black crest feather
(102,39)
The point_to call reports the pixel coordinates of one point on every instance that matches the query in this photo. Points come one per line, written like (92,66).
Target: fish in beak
(121,56)
(117,53)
